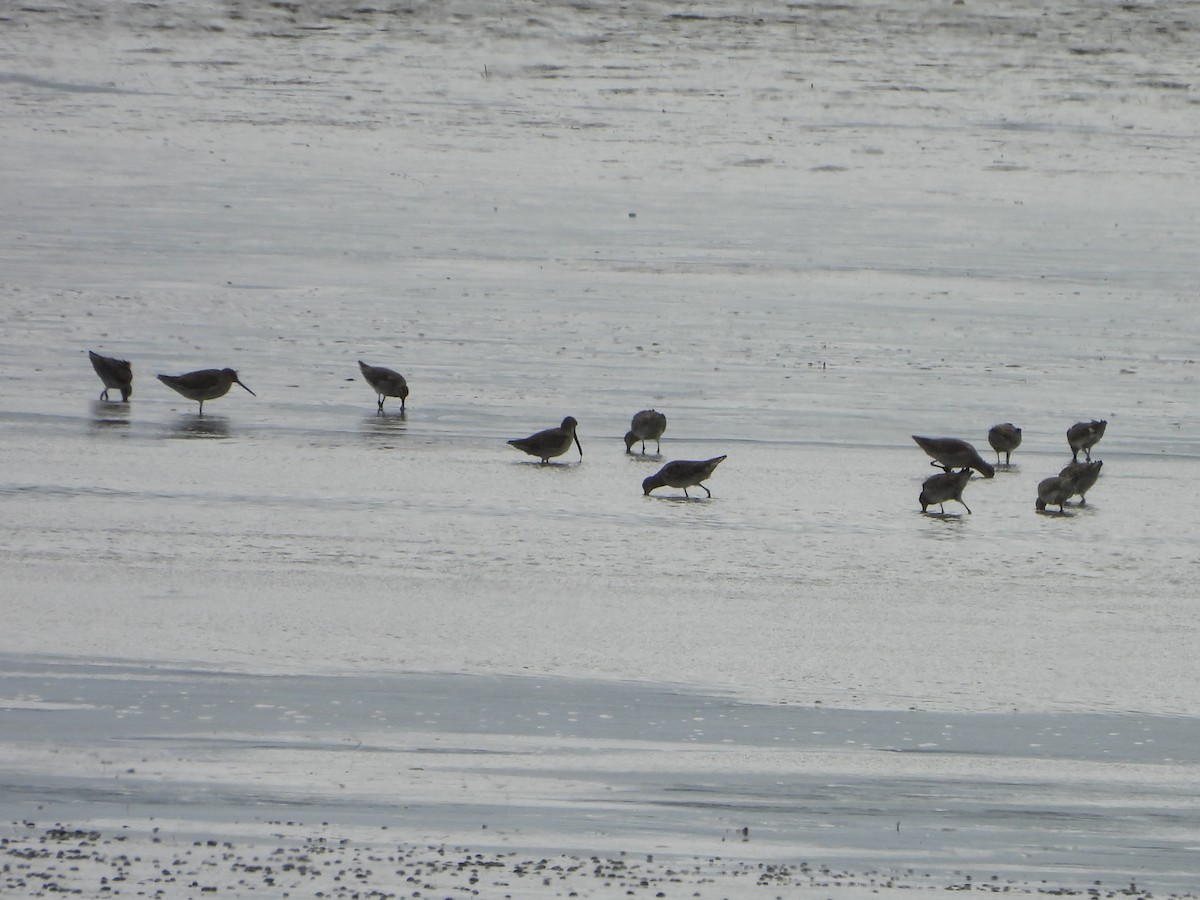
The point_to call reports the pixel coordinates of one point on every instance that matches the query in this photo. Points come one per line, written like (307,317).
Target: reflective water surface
(805,235)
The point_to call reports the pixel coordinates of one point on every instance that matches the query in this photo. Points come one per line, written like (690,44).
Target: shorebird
(386,383)
(115,373)
(951,453)
(551,442)
(1083,475)
(1084,435)
(946,486)
(205,384)
(1054,491)
(1004,439)
(683,473)
(647,425)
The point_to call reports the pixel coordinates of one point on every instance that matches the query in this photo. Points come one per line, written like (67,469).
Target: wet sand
(548,785)
(298,860)
(804,234)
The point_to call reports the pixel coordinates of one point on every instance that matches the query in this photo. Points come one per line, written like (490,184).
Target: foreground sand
(158,780)
(804,233)
(149,859)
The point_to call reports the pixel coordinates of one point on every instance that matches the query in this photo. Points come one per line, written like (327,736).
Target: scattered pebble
(37,861)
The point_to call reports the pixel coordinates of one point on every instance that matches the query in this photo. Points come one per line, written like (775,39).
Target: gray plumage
(551,442)
(1054,491)
(1004,439)
(683,473)
(386,382)
(1084,435)
(205,384)
(647,425)
(1083,476)
(115,373)
(952,453)
(946,486)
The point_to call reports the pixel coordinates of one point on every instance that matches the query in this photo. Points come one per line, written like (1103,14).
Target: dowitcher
(115,373)
(647,425)
(551,442)
(386,383)
(1083,475)
(205,384)
(1084,435)
(1004,439)
(1054,491)
(683,473)
(946,486)
(951,453)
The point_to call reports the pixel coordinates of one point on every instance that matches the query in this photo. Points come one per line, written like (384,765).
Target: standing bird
(1083,475)
(386,383)
(206,384)
(683,473)
(647,425)
(551,442)
(1084,435)
(1054,491)
(1004,439)
(951,453)
(946,486)
(115,373)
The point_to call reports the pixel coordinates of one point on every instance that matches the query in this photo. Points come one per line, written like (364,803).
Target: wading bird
(951,453)
(683,473)
(946,486)
(1054,491)
(115,373)
(386,383)
(551,442)
(647,425)
(1004,439)
(1084,435)
(205,384)
(1083,475)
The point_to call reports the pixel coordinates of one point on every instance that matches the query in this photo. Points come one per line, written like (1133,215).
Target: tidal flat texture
(393,654)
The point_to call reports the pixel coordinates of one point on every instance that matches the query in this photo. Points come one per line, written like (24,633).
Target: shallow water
(582,767)
(804,235)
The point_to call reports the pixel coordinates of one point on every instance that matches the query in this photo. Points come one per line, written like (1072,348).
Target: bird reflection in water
(201,427)
(385,424)
(107,415)
(377,429)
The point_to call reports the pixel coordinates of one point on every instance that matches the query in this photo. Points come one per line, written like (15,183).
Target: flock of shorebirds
(950,454)
(647,425)
(955,457)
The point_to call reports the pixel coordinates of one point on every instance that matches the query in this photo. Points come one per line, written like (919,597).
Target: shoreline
(289,859)
(165,761)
